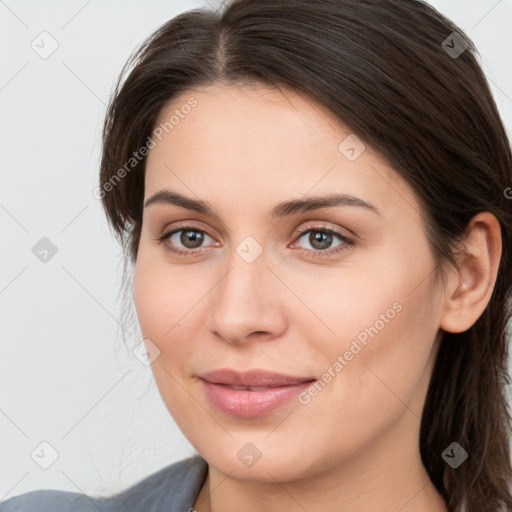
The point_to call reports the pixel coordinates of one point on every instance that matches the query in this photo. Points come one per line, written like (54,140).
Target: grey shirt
(171,489)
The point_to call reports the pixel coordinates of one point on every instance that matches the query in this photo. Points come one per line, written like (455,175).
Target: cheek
(382,294)
(163,296)
(380,325)
(165,303)
(388,375)
(170,311)
(157,310)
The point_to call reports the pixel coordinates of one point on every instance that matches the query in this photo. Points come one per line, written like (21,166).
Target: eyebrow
(280,210)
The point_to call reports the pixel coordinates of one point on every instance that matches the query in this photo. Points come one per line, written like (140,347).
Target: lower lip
(250,404)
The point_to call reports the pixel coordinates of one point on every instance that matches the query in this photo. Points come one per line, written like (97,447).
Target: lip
(251,393)
(255,377)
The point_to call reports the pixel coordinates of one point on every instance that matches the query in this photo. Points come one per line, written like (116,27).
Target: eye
(189,237)
(320,239)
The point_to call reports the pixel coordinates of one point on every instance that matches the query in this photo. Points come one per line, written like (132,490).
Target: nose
(246,303)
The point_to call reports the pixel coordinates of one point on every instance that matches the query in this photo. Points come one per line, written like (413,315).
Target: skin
(355,445)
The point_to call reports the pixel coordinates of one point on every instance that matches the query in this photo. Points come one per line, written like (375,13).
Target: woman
(314,198)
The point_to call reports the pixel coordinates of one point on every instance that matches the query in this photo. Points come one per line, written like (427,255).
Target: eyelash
(347,242)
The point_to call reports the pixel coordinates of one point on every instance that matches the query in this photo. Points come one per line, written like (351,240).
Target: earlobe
(469,290)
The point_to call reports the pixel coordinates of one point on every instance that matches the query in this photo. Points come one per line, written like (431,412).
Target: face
(338,298)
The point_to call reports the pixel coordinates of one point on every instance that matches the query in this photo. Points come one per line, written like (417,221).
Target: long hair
(406,80)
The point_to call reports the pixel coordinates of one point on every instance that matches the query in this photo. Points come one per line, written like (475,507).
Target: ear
(469,289)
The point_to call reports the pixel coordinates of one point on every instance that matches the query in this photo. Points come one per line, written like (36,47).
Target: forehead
(253,143)
(247,116)
(256,102)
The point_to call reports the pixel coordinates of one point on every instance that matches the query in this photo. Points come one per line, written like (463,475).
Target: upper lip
(255,377)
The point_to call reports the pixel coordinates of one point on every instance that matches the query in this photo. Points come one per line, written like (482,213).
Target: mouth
(256,378)
(251,393)
(247,388)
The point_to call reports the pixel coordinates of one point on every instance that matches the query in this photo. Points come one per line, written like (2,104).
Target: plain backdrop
(71,394)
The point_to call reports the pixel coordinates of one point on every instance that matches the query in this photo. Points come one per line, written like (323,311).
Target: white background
(65,375)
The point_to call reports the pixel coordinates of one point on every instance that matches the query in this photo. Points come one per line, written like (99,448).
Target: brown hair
(394,72)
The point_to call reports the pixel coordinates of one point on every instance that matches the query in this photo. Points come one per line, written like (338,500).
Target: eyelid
(347,241)
(324,226)
(321,226)
(194,224)
(165,235)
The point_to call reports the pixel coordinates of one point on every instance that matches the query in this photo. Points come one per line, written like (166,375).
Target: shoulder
(173,488)
(48,501)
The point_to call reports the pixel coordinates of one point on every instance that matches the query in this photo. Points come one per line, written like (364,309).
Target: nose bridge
(245,300)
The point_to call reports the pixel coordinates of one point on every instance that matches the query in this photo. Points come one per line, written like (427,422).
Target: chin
(245,461)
